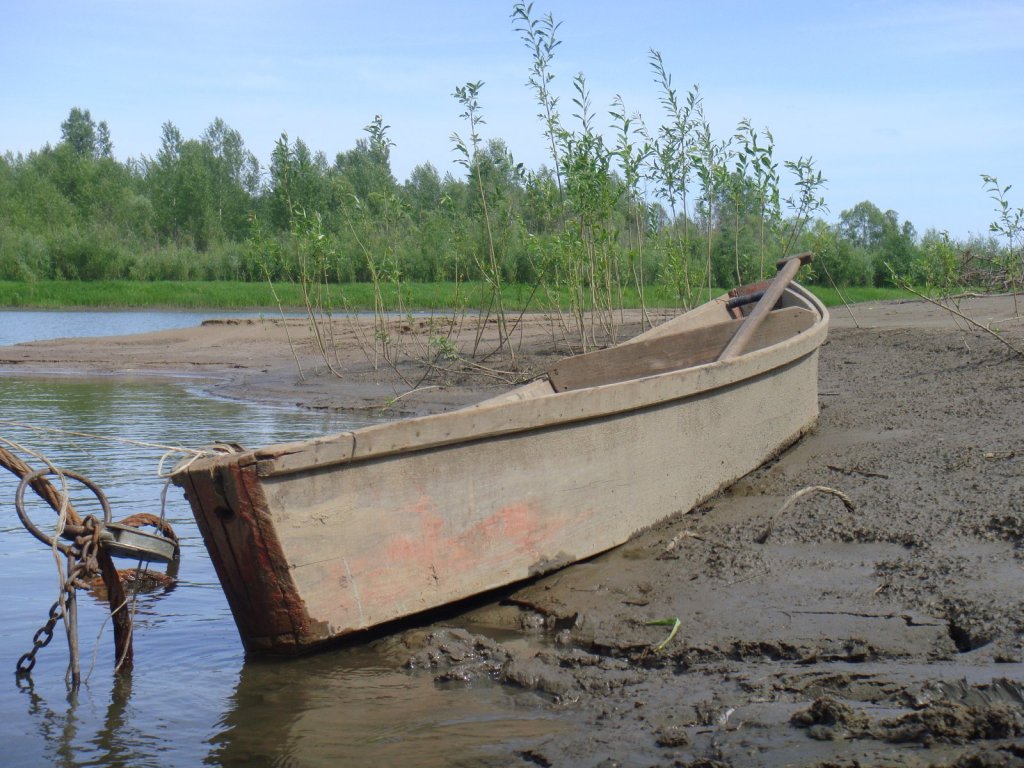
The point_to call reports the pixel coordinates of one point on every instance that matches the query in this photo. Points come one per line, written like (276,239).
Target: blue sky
(900,103)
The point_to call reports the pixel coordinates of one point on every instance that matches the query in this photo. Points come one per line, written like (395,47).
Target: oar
(787,271)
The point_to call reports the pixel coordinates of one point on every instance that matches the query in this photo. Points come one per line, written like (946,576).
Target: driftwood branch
(967,319)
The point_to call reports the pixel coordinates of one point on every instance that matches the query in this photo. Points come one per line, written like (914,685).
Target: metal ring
(19,502)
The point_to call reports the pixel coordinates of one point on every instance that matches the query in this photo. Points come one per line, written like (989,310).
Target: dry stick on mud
(795,497)
(284,324)
(839,293)
(962,316)
(857,471)
(415,390)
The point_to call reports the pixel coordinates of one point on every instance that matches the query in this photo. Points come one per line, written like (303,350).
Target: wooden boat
(315,540)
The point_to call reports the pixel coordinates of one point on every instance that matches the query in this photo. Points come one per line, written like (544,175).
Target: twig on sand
(795,497)
(969,320)
(856,471)
(677,540)
(414,391)
(511,378)
(996,455)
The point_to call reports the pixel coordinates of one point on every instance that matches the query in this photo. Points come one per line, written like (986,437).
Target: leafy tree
(104,147)
(84,137)
(477,165)
(540,36)
(937,264)
(234,176)
(899,247)
(431,217)
(839,260)
(422,190)
(1009,225)
(891,245)
(162,184)
(298,180)
(366,169)
(200,187)
(864,226)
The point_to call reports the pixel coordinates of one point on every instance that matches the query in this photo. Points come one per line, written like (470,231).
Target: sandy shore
(280,361)
(892,634)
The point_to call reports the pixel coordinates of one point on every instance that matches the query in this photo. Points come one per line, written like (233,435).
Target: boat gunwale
(513,416)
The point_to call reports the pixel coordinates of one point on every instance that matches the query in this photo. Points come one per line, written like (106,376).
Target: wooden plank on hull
(308,454)
(209,508)
(671,353)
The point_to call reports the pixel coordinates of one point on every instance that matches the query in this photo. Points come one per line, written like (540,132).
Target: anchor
(89,544)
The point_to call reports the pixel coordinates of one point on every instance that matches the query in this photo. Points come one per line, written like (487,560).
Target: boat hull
(315,541)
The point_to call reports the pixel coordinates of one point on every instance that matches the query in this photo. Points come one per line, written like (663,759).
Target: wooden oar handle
(787,271)
(803,258)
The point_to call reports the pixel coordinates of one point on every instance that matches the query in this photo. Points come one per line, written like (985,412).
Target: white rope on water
(188,455)
(62,512)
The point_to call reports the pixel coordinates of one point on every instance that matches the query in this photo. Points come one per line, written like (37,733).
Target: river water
(193,698)
(17,326)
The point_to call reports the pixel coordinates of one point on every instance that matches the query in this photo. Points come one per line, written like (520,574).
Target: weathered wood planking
(377,540)
(318,539)
(503,416)
(684,349)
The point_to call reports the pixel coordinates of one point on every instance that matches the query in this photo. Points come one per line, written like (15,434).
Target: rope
(127,441)
(86,554)
(43,487)
(190,455)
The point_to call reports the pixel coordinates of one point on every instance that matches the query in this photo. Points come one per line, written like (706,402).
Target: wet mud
(891,633)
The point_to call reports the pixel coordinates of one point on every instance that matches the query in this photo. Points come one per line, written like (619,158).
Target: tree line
(676,205)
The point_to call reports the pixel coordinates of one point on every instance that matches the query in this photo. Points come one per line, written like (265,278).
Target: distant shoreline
(259,297)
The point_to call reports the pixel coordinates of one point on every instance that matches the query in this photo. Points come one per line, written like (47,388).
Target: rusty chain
(82,563)
(40,640)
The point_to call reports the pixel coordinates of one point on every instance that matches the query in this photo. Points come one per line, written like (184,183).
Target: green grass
(125,294)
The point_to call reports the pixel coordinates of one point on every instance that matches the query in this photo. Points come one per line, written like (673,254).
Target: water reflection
(114,744)
(188,655)
(192,698)
(354,707)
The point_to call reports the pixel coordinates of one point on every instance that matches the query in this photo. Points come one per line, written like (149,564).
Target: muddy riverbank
(886,632)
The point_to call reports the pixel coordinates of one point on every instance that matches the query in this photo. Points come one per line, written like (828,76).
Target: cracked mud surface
(889,634)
